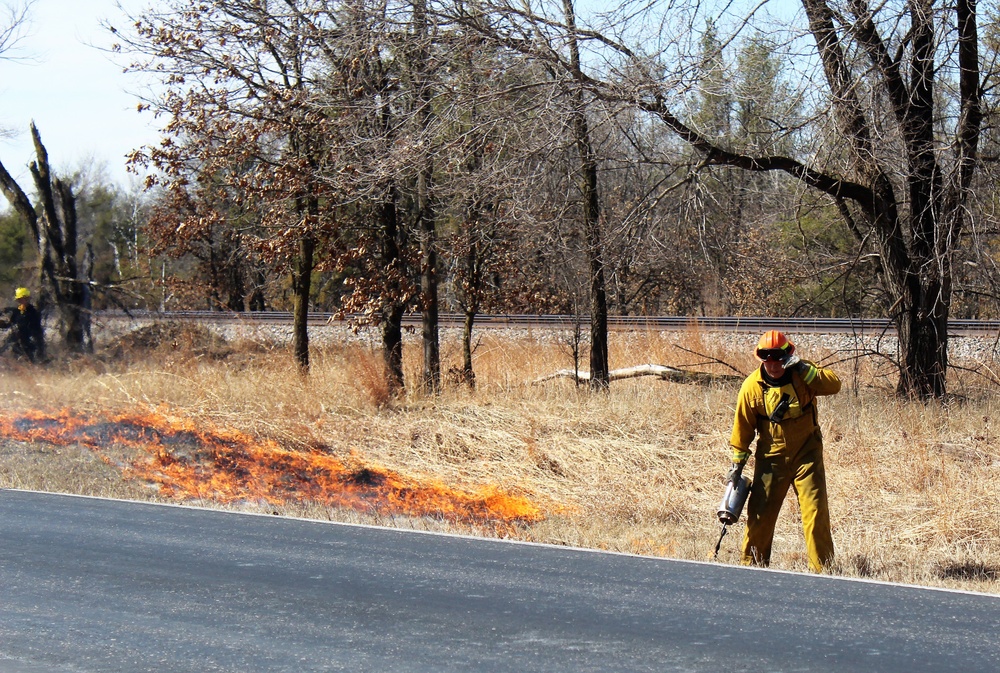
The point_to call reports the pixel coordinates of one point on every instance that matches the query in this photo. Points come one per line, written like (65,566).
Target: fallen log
(664,372)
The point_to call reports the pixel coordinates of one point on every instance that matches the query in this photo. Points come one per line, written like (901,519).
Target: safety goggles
(772,354)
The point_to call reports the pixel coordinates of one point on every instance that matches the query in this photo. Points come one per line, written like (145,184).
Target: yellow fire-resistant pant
(772,475)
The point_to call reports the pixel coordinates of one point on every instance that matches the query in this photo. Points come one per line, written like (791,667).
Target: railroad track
(870,326)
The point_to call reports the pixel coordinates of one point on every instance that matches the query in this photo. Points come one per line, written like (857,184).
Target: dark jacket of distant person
(27,337)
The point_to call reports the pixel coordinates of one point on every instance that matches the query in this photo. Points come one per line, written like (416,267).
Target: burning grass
(189,461)
(637,470)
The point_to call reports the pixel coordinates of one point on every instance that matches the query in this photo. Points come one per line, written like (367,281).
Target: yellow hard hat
(22,293)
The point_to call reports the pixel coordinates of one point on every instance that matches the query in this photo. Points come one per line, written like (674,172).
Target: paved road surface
(93,585)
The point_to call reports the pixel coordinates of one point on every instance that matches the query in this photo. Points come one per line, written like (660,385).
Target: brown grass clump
(369,372)
(639,469)
(165,341)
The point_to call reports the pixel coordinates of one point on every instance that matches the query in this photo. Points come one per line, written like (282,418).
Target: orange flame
(190,461)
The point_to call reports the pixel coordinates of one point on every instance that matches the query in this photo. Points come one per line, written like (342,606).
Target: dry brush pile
(637,470)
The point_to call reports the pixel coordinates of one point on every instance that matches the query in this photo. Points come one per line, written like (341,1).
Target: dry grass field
(913,486)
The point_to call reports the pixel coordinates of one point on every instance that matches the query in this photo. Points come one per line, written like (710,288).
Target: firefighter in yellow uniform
(777,404)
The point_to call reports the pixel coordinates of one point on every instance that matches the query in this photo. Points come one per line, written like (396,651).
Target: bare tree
(14,20)
(53,224)
(591,210)
(517,25)
(239,91)
(481,115)
(420,70)
(211,223)
(900,177)
(433,136)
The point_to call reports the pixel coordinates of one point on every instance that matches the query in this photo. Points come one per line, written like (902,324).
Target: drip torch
(731,506)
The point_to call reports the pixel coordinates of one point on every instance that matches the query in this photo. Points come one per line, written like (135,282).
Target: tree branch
(835,187)
(664,372)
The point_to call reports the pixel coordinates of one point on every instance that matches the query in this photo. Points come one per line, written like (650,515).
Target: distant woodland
(821,158)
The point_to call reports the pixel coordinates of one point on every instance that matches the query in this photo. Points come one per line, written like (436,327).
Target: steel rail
(864,326)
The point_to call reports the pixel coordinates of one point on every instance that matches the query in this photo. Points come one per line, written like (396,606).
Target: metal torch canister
(733,500)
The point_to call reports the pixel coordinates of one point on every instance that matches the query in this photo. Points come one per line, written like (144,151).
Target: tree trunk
(236,277)
(599,367)
(257,302)
(301,285)
(425,209)
(392,296)
(599,379)
(473,293)
(468,375)
(70,284)
(429,304)
(923,341)
(392,346)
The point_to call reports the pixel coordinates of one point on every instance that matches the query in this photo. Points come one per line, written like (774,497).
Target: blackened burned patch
(970,570)
(109,432)
(365,477)
(27,425)
(180,438)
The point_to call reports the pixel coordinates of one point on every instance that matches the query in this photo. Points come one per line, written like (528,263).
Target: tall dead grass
(637,470)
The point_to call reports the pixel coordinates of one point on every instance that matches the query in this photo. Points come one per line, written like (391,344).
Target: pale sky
(82,103)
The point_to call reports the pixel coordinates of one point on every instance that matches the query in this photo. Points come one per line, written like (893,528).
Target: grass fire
(190,461)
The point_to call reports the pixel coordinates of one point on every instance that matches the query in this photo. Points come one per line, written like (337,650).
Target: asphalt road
(92,585)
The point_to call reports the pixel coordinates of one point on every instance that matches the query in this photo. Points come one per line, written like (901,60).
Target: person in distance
(27,337)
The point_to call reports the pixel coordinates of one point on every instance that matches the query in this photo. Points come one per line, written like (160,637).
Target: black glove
(735,473)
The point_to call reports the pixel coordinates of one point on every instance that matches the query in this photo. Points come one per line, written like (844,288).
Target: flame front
(189,461)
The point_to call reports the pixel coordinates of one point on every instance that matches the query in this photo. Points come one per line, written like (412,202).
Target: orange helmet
(775,346)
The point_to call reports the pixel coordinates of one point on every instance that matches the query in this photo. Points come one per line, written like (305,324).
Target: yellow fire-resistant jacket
(758,399)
